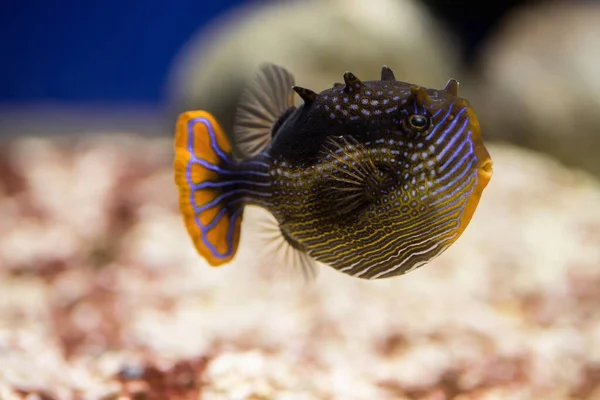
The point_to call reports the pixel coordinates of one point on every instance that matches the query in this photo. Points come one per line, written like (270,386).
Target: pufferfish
(373,178)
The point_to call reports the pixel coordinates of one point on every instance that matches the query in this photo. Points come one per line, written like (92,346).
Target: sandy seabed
(103,297)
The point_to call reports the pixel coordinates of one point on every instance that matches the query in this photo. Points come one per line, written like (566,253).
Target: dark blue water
(109,50)
(121,50)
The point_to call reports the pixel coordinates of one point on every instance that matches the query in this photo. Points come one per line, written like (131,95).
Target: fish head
(417,134)
(403,169)
(445,141)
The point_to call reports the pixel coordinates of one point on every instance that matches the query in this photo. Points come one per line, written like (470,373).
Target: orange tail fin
(211,211)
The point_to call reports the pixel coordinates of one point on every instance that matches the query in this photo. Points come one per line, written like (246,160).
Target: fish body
(372,178)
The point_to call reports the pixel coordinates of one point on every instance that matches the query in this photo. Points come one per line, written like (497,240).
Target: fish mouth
(487,168)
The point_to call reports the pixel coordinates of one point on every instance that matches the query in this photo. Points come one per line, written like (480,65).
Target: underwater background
(102,295)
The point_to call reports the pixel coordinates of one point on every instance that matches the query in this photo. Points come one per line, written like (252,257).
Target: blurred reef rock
(317,40)
(535,83)
(539,83)
(104,297)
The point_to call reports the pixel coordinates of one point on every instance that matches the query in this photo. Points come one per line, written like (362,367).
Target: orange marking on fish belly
(201,151)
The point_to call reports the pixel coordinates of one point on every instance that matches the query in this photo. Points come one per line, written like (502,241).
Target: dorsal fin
(282,118)
(261,104)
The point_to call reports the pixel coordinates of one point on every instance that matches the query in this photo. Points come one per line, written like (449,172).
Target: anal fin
(297,258)
(277,254)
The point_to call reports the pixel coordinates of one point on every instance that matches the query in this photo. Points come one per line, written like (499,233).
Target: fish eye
(418,122)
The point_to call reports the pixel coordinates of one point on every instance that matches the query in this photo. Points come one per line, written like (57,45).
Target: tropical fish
(372,178)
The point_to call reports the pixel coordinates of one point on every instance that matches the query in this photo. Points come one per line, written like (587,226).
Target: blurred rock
(509,312)
(317,40)
(540,82)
